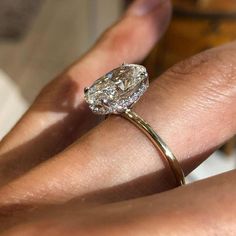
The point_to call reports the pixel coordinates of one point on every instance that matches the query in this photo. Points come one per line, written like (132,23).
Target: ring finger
(192,106)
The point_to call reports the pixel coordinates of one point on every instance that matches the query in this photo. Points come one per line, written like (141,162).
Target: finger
(191,106)
(59,116)
(203,208)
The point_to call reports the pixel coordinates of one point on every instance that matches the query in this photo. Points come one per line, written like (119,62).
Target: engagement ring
(116,92)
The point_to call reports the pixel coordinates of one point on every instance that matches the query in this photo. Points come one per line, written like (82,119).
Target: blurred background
(40,38)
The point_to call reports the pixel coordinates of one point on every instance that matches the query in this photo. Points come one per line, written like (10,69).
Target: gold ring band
(159,144)
(116,92)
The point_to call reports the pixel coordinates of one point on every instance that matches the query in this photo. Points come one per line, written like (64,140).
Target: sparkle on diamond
(117,90)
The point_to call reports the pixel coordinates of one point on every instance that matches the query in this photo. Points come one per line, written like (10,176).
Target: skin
(63,171)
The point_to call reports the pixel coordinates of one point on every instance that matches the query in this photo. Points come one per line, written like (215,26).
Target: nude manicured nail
(142,7)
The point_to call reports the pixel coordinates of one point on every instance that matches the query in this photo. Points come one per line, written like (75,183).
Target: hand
(61,175)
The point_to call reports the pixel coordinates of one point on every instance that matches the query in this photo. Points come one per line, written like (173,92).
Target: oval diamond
(118,90)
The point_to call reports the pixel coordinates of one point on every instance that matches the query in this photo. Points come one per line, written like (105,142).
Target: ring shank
(159,144)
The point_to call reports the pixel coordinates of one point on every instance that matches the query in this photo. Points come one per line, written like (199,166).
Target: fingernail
(143,7)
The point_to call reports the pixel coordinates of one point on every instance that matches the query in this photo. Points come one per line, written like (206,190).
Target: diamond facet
(118,90)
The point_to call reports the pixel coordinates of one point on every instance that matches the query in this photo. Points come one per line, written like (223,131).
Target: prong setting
(86,89)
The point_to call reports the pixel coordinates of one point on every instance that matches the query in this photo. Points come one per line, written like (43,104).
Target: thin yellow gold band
(159,144)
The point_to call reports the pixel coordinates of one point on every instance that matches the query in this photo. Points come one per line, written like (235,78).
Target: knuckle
(214,70)
(192,66)
(114,40)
